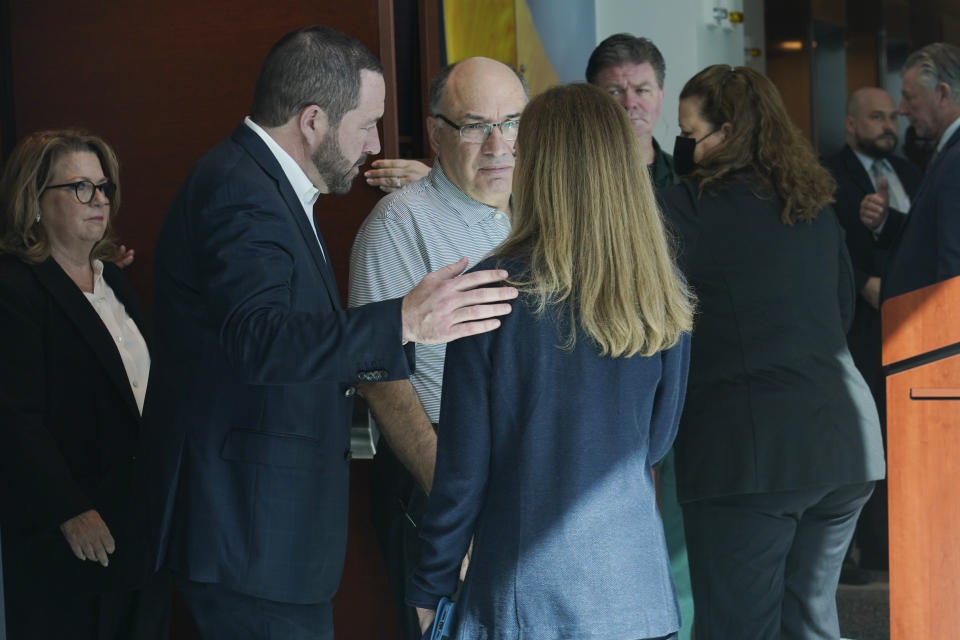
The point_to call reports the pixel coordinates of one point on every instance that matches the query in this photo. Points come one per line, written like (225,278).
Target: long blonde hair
(26,175)
(586,221)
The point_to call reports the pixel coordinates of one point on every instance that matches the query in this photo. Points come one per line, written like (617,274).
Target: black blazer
(251,392)
(927,250)
(869,258)
(774,402)
(69,427)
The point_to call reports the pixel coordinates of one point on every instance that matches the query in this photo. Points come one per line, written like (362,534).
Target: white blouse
(126,336)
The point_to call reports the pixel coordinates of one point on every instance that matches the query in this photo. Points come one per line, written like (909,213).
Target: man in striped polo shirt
(461,208)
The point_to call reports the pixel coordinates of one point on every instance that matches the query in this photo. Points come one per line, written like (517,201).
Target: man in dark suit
(251,394)
(926,245)
(866,166)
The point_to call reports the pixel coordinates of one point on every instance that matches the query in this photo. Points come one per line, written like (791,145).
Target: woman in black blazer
(779,443)
(75,366)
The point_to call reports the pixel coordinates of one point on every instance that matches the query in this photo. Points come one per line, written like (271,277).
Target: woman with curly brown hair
(779,443)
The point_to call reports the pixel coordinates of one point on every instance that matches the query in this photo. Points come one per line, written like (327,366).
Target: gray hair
(936,63)
(439,83)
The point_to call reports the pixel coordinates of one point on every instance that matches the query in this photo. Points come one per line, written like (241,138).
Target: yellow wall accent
(531,56)
(498,29)
(480,28)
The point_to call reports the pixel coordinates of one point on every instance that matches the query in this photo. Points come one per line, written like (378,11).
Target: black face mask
(683,155)
(683,149)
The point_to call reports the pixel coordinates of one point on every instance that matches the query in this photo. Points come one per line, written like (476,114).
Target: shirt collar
(472,211)
(948,134)
(867,162)
(305,190)
(661,169)
(98,283)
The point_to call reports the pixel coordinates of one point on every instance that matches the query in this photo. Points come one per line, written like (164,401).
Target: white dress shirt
(126,336)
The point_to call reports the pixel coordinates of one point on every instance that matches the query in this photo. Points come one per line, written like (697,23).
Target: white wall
(679,29)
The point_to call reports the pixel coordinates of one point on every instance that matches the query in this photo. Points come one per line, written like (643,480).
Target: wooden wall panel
(861,62)
(790,72)
(163,82)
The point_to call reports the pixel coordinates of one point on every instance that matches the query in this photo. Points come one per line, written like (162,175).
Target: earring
(38,219)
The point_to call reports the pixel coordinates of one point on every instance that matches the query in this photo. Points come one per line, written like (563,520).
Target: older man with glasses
(461,208)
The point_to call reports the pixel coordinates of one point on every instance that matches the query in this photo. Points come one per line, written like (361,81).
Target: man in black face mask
(632,70)
(867,173)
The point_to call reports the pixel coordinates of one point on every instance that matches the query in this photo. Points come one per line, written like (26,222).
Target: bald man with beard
(863,169)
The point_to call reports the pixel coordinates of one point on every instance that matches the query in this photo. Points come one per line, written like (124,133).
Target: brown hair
(27,174)
(624,48)
(585,218)
(313,65)
(762,138)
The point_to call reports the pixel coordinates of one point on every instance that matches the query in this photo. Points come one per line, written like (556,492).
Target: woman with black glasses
(72,384)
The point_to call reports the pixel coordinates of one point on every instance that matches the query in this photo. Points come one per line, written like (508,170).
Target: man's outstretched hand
(445,306)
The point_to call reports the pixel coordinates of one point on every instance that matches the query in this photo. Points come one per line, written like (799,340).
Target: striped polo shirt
(424,226)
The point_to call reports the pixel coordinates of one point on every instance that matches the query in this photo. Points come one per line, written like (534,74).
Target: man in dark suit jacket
(926,248)
(865,166)
(251,394)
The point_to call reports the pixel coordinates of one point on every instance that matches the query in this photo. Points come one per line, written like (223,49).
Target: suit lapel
(857,172)
(929,178)
(250,141)
(82,314)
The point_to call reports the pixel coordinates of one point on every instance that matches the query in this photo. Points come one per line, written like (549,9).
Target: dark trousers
(142,614)
(766,566)
(224,614)
(396,508)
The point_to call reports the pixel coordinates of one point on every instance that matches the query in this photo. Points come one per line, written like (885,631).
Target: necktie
(879,170)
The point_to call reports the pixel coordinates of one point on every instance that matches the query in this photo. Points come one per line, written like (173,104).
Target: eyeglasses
(480,131)
(84,190)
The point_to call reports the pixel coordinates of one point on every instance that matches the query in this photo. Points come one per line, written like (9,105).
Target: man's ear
(848,125)
(433,130)
(727,129)
(944,93)
(313,125)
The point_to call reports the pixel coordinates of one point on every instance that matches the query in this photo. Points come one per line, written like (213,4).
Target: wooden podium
(921,355)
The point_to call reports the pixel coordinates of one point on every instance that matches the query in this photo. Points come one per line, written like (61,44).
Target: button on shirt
(302,186)
(126,336)
(411,232)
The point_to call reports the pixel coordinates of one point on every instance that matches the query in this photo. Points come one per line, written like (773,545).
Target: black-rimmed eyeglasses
(84,189)
(480,131)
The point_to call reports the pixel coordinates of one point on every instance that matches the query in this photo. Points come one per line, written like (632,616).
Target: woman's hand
(425,617)
(390,175)
(88,537)
(124,258)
